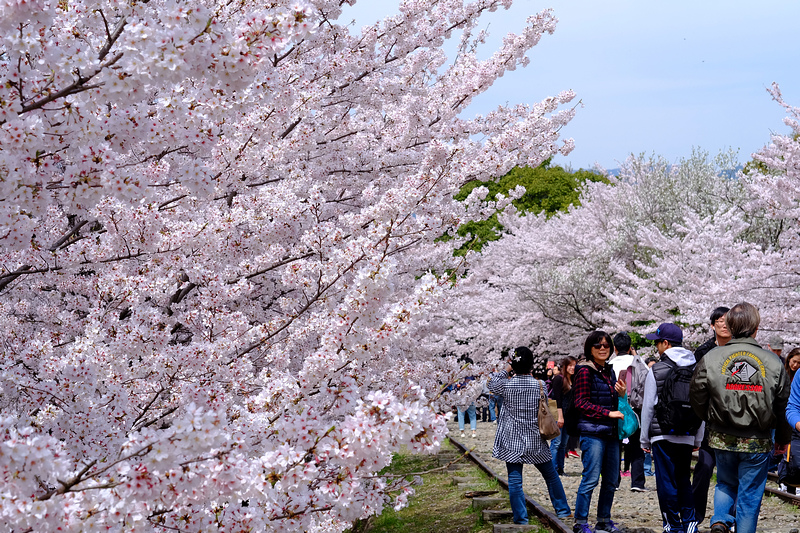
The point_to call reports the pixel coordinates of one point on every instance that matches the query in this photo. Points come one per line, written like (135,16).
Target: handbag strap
(542,394)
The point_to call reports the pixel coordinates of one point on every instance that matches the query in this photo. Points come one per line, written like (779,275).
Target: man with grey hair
(775,344)
(741,391)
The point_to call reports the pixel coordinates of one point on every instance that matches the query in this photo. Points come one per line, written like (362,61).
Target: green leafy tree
(547,188)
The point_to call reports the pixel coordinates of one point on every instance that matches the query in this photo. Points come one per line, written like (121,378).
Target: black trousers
(634,456)
(701,480)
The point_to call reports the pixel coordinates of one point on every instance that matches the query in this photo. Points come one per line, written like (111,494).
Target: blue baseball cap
(667,332)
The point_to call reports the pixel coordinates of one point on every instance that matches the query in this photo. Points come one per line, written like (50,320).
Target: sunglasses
(601,345)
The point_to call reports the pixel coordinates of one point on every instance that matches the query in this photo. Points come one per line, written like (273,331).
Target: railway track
(783,495)
(545,516)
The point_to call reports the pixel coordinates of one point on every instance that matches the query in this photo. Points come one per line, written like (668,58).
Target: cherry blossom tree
(730,243)
(773,187)
(219,226)
(660,242)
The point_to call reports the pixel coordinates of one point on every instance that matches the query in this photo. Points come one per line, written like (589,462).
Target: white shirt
(620,364)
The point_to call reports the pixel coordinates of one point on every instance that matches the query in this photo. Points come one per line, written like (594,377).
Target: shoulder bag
(628,425)
(548,427)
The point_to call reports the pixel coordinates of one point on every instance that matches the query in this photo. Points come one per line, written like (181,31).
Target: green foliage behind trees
(547,188)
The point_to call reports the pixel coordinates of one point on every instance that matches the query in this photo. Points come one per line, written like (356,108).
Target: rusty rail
(547,518)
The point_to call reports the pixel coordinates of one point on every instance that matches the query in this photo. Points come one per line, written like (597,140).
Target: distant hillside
(730,173)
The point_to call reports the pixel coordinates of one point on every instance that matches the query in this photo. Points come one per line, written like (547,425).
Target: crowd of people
(733,402)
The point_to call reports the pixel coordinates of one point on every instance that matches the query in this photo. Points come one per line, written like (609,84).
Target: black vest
(660,371)
(603,395)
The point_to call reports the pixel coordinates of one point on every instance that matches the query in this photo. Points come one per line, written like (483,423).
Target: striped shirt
(518,439)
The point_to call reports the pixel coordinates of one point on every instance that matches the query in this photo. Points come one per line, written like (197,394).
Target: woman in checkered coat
(518,440)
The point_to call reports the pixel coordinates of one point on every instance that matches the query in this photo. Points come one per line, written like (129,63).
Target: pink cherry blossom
(220,249)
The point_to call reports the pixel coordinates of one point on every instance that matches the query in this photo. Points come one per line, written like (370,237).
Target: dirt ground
(633,510)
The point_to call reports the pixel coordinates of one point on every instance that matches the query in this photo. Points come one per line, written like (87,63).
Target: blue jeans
(517,497)
(558,449)
(600,458)
(494,400)
(648,465)
(741,478)
(674,486)
(473,419)
(515,494)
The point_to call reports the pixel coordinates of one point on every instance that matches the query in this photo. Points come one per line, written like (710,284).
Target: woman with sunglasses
(597,393)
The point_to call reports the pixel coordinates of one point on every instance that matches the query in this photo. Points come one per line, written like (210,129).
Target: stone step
(459,466)
(512,528)
(486,502)
(480,493)
(495,515)
(458,480)
(474,485)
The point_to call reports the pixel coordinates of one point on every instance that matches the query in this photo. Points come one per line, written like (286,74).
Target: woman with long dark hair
(597,393)
(792,363)
(561,385)
(518,440)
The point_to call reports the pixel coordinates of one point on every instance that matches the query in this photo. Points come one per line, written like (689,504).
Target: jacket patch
(743,370)
(744,386)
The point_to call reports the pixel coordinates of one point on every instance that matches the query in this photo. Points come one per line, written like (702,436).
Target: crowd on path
(732,401)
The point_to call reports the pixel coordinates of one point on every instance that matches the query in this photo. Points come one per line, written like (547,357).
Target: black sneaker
(719,527)
(606,527)
(638,489)
(582,528)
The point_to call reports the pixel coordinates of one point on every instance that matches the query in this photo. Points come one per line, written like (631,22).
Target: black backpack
(673,410)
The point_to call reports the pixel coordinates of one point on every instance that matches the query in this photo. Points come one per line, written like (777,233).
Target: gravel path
(636,511)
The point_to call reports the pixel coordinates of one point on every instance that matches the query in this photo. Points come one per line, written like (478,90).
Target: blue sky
(655,77)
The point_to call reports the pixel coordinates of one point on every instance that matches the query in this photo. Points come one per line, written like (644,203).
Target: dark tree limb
(5,279)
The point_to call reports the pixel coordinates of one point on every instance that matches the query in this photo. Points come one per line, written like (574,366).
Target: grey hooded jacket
(651,430)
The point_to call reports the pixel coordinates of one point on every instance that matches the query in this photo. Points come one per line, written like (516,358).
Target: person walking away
(704,468)
(562,383)
(597,393)
(491,399)
(467,393)
(741,391)
(518,441)
(671,429)
(632,369)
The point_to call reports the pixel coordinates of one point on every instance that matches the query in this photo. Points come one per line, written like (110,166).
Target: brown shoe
(719,527)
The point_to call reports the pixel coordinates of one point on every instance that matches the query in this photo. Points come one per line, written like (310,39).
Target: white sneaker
(474,434)
(463,434)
